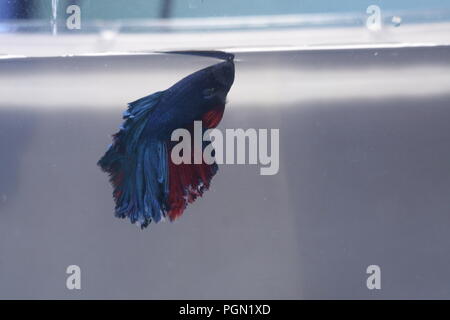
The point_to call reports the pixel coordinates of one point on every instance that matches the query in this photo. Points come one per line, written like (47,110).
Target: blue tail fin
(137,166)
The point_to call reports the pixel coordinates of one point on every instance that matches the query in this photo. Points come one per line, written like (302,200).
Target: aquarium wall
(354,94)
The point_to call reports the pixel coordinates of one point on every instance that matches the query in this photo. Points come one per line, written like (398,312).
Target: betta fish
(147,185)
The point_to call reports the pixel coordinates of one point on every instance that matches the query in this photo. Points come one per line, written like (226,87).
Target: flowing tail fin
(186,183)
(138,167)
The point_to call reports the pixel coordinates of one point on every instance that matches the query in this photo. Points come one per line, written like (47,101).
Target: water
(364,179)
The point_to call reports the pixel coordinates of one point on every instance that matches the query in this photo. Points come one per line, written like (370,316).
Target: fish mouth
(223,72)
(222,55)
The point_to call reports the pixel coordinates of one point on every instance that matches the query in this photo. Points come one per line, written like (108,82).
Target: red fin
(186,183)
(212,118)
(189,181)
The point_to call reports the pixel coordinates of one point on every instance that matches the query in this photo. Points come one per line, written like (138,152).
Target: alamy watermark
(233,151)
(73,281)
(374,279)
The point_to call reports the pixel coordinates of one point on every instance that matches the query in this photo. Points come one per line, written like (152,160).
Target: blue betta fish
(147,184)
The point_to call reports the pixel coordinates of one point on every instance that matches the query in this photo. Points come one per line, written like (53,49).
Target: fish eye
(208,93)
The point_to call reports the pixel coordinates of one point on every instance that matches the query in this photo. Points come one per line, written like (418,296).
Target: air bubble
(396,21)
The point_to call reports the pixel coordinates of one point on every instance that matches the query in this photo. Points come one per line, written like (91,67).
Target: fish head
(218,81)
(199,92)
(223,74)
